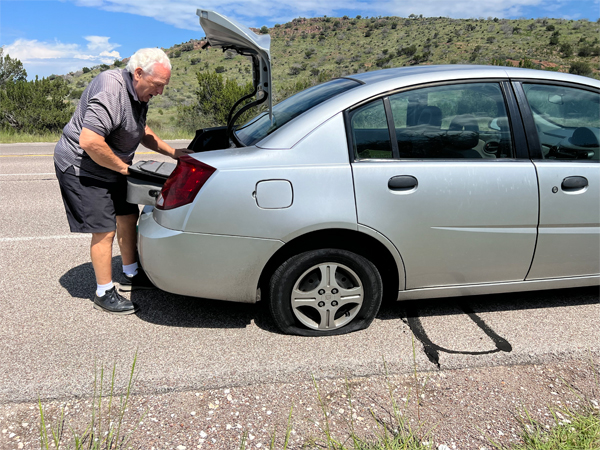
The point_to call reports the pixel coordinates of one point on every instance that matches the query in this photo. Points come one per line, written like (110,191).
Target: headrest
(585,137)
(465,122)
(431,115)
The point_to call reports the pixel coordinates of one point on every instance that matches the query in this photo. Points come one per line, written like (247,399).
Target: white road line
(23,174)
(42,238)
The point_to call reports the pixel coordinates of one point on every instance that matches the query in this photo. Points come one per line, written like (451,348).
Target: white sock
(102,288)
(130,270)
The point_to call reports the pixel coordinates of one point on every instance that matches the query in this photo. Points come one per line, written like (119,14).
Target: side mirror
(555,99)
(494,125)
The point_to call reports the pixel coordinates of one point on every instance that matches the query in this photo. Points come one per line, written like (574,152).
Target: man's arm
(97,149)
(153,142)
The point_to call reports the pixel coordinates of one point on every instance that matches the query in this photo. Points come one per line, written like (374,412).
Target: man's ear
(137,73)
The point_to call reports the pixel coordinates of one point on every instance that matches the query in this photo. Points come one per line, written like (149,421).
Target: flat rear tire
(325,292)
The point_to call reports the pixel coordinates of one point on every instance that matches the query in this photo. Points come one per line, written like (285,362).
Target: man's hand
(179,152)
(153,142)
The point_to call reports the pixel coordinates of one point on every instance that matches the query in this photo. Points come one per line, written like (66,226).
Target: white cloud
(46,58)
(28,50)
(100,44)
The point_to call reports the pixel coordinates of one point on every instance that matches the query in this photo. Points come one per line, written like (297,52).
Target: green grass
(105,431)
(572,430)
(13,137)
(394,433)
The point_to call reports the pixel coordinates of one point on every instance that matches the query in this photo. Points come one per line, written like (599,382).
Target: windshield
(260,126)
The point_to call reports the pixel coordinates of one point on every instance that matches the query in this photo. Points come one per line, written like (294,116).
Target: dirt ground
(459,409)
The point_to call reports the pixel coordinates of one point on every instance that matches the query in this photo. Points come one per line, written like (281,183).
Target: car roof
(446,72)
(379,82)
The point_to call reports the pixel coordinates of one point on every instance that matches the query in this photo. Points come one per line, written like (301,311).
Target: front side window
(454,121)
(567,121)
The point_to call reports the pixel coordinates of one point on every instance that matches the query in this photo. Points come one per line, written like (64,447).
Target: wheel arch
(376,249)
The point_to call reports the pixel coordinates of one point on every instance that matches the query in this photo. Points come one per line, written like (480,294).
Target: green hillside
(308,51)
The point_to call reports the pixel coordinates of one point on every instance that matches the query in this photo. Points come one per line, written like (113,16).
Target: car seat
(468,123)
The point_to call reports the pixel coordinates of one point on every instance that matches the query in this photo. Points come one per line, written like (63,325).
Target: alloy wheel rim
(327,296)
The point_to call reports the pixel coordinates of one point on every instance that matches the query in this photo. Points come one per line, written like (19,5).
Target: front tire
(325,292)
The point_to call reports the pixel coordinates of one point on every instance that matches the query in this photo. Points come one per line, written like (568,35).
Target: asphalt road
(51,338)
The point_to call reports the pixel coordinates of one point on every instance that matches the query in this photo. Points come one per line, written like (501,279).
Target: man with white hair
(92,160)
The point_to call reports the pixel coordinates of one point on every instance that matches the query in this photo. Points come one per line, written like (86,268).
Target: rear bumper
(202,265)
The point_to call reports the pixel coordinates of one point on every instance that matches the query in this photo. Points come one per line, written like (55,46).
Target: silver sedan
(408,183)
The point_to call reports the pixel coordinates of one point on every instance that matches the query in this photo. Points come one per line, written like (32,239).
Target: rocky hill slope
(308,51)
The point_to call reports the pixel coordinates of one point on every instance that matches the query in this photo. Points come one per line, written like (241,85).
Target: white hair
(146,58)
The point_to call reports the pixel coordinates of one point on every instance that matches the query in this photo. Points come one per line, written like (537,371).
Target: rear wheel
(325,292)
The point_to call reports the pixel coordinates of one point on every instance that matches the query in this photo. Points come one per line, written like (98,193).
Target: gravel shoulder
(462,409)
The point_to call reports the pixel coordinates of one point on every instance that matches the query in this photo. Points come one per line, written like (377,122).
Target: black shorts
(93,205)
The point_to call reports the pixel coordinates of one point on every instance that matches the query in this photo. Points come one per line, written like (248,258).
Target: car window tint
(567,121)
(261,126)
(370,132)
(453,121)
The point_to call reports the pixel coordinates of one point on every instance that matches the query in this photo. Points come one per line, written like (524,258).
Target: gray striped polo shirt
(109,106)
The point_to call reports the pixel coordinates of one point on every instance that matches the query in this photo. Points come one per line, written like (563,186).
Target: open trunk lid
(225,33)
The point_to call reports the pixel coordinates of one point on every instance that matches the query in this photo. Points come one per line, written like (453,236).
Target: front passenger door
(564,141)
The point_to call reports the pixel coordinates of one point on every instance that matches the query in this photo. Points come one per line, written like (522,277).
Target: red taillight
(184,183)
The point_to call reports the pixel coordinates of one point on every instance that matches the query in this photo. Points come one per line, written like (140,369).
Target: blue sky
(60,36)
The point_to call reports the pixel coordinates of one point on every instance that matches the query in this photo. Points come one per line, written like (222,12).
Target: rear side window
(370,132)
(260,127)
(452,122)
(567,121)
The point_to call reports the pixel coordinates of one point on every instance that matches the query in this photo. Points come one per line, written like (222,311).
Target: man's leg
(133,277)
(109,300)
(127,238)
(101,254)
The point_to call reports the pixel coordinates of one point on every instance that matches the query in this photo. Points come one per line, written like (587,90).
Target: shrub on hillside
(566,49)
(587,50)
(407,51)
(214,99)
(528,64)
(580,68)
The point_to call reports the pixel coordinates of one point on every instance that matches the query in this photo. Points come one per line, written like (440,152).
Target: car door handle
(402,183)
(571,184)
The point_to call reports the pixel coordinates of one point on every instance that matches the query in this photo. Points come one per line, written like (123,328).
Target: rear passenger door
(564,135)
(443,172)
